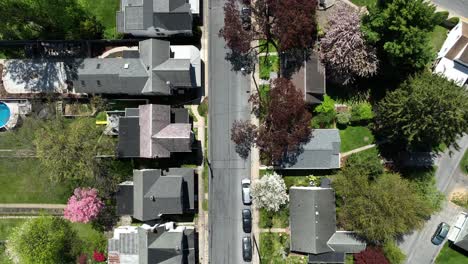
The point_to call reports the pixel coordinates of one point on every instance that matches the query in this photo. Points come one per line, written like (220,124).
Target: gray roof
(310,79)
(313,223)
(312,218)
(321,152)
(462,238)
(153,71)
(157,192)
(329,257)
(149,132)
(158,246)
(142,17)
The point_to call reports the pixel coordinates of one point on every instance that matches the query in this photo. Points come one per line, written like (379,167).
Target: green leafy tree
(393,253)
(378,210)
(400,30)
(361,112)
(426,111)
(368,162)
(43,240)
(69,150)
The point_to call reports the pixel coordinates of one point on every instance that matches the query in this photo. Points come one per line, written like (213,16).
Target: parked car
(247,249)
(440,234)
(246,18)
(246,199)
(247,220)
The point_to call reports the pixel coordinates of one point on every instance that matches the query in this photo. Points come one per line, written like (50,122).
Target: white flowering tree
(269,192)
(344,50)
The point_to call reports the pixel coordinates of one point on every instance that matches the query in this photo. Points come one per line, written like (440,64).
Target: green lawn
(464,163)
(25,181)
(354,137)
(364,2)
(274,249)
(264,90)
(438,37)
(449,255)
(267,65)
(7,225)
(91,239)
(21,138)
(271,48)
(105,12)
(278,219)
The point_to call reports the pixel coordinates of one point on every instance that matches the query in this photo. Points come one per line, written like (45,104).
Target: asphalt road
(228,101)
(459,7)
(417,246)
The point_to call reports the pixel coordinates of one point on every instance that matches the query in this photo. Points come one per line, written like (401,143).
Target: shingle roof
(313,224)
(321,152)
(310,79)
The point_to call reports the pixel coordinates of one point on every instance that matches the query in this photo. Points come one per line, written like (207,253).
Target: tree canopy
(243,134)
(424,112)
(286,125)
(378,209)
(344,50)
(269,192)
(47,19)
(68,149)
(400,30)
(44,240)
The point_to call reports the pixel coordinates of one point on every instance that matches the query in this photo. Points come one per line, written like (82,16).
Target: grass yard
(21,138)
(438,37)
(267,65)
(274,249)
(264,90)
(7,225)
(449,255)
(263,49)
(91,239)
(25,181)
(364,2)
(464,163)
(354,137)
(278,219)
(105,12)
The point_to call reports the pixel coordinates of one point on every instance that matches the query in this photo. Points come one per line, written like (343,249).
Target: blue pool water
(4,114)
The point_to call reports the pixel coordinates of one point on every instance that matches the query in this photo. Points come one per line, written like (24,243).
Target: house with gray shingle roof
(154,193)
(154,131)
(163,243)
(321,152)
(156,18)
(312,218)
(458,233)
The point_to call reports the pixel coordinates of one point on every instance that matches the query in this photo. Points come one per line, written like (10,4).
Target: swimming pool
(4,114)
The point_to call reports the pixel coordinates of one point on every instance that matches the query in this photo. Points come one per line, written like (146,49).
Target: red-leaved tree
(83,206)
(243,134)
(99,256)
(286,125)
(344,50)
(371,255)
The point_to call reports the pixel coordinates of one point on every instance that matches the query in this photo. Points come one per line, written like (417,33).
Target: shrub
(367,161)
(393,253)
(460,199)
(343,118)
(451,22)
(441,16)
(361,112)
(83,259)
(203,107)
(99,257)
(323,120)
(83,206)
(327,106)
(371,255)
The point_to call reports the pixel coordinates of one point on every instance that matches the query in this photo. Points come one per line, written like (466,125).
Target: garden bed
(451,255)
(267,65)
(278,219)
(274,248)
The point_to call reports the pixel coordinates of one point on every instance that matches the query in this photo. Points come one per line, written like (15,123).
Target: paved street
(228,101)
(459,7)
(417,246)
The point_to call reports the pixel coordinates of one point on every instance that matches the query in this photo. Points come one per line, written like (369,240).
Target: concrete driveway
(457,7)
(417,246)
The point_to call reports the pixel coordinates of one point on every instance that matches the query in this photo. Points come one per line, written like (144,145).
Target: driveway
(458,7)
(417,246)
(228,101)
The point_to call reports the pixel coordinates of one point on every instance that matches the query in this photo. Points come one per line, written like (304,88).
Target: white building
(452,59)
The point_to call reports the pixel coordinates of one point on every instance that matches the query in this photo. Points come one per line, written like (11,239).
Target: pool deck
(14,115)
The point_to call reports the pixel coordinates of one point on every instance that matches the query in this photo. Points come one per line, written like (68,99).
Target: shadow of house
(313,226)
(163,243)
(154,193)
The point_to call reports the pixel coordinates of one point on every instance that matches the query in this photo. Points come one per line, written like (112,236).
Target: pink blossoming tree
(83,206)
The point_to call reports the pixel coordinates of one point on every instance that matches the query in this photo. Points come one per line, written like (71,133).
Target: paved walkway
(202,223)
(275,230)
(357,150)
(31,209)
(17,153)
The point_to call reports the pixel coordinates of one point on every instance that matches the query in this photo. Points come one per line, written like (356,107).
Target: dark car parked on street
(440,234)
(247,220)
(247,249)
